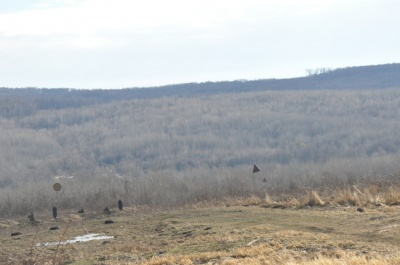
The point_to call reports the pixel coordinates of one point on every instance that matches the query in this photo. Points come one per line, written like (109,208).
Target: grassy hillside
(228,235)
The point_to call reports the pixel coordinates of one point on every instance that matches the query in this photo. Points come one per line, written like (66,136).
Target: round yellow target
(57,186)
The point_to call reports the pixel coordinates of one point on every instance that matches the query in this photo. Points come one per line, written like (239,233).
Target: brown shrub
(314,199)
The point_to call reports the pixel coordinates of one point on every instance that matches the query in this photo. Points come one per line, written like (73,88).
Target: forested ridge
(168,150)
(24,101)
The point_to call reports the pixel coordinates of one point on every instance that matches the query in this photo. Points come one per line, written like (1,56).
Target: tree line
(176,150)
(28,101)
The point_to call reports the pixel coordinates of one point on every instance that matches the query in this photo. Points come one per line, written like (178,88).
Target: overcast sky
(132,43)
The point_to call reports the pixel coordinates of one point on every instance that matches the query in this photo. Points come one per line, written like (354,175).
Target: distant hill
(361,77)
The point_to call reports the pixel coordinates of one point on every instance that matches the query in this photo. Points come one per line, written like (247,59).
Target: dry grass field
(230,233)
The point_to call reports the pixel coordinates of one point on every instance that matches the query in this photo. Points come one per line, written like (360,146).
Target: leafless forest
(173,151)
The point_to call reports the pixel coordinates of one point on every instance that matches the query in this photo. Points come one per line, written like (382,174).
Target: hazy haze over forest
(180,144)
(193,140)
(117,44)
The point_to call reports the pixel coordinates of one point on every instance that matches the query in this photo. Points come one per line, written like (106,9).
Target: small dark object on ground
(16,234)
(377,218)
(54,228)
(106,210)
(31,217)
(361,210)
(109,222)
(264,180)
(120,205)
(81,211)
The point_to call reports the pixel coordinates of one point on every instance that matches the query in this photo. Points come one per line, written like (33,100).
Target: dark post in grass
(57,188)
(55,212)
(31,217)
(120,205)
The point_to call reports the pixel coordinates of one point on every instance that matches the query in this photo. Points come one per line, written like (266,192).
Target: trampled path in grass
(251,234)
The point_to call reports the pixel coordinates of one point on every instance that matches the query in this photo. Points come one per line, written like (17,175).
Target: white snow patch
(84,238)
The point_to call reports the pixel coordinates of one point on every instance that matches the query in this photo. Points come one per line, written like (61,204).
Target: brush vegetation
(172,151)
(327,193)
